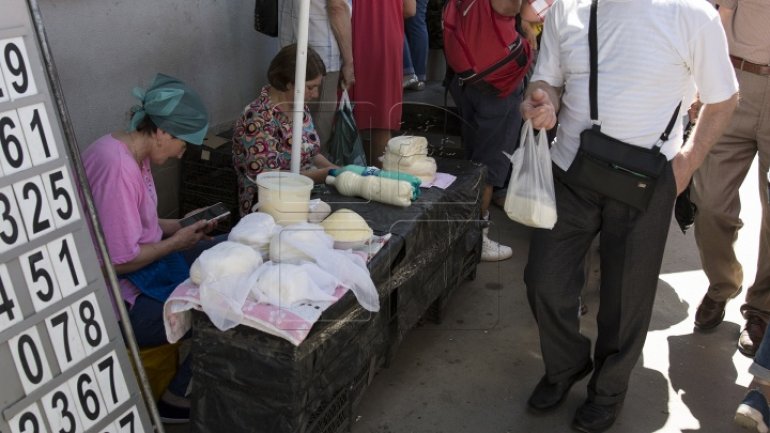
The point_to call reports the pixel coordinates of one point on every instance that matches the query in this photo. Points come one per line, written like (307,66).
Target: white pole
(299,85)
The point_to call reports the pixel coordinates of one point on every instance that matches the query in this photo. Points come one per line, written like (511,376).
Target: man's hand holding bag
(531,199)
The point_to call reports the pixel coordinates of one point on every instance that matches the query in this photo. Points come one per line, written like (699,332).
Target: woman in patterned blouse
(263,134)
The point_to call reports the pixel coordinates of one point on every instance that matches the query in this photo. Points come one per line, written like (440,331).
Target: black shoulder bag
(266,17)
(618,170)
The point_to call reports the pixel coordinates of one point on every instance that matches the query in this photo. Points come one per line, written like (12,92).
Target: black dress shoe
(752,335)
(710,313)
(595,418)
(547,395)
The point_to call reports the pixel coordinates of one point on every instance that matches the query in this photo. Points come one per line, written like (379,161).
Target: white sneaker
(409,80)
(492,251)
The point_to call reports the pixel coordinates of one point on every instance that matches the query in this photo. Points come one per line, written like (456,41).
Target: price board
(63,362)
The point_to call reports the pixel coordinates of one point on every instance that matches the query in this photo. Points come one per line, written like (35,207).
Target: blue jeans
(416,42)
(760,368)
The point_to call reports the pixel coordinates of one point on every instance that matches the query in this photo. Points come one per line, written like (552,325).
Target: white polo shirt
(650,54)
(320,35)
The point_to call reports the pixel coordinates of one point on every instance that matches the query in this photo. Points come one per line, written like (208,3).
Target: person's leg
(758,295)
(715,193)
(631,248)
(760,368)
(408,67)
(491,125)
(753,411)
(146,317)
(410,80)
(555,257)
(416,30)
(756,310)
(486,199)
(499,193)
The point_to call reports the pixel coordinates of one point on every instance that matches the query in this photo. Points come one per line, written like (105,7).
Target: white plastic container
(285,196)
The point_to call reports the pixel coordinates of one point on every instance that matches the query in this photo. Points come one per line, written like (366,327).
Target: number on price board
(28,356)
(66,264)
(11,226)
(35,210)
(28,421)
(38,133)
(18,77)
(90,323)
(61,196)
(89,401)
(10,312)
(61,411)
(64,338)
(4,96)
(129,422)
(111,381)
(40,277)
(14,155)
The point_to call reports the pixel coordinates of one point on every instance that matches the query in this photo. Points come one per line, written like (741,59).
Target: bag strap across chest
(593,81)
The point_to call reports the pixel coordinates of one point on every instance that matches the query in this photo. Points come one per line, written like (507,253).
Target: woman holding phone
(151,255)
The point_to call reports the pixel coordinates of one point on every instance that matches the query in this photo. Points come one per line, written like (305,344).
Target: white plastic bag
(304,242)
(286,285)
(531,199)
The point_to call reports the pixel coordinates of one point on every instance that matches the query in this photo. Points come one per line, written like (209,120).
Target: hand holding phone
(211,213)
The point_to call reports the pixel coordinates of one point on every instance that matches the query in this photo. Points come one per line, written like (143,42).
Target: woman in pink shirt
(145,250)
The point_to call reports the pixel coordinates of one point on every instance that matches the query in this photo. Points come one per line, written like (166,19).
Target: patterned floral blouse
(262,141)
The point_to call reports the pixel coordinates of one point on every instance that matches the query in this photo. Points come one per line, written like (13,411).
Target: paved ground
(474,372)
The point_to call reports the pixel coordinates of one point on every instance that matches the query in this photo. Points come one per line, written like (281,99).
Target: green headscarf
(173,107)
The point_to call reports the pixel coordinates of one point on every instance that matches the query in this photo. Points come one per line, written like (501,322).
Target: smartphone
(210,213)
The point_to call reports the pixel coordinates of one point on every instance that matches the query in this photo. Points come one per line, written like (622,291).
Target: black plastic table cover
(249,381)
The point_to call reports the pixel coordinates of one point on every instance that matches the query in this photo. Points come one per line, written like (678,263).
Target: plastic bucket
(285,196)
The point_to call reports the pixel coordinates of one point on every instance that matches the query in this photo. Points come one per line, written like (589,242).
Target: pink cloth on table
(126,202)
(290,323)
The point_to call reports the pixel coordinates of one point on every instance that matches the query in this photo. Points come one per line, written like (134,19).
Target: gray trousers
(631,252)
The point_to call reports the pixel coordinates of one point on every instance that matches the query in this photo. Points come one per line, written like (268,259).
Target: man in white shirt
(330,35)
(649,54)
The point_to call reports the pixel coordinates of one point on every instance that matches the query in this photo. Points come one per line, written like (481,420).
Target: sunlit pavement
(475,370)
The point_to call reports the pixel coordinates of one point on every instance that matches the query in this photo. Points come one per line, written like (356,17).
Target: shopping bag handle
(345,101)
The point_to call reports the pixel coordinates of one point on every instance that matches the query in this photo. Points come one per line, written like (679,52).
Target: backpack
(483,47)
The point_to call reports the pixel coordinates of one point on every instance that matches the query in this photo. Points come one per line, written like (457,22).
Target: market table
(245,380)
